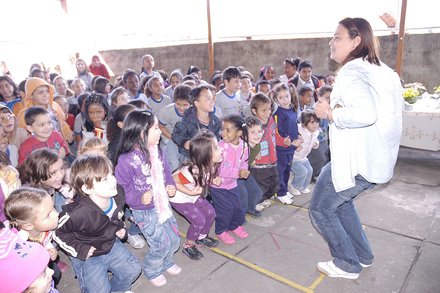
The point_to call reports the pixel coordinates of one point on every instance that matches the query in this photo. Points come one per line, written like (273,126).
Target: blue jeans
(92,274)
(172,153)
(134,229)
(303,174)
(163,239)
(250,193)
(334,215)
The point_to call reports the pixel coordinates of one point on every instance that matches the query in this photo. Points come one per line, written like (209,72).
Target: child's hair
(216,72)
(259,83)
(264,70)
(307,115)
(127,75)
(260,99)
(274,82)
(196,78)
(139,104)
(90,144)
(193,69)
(216,78)
(143,88)
(303,89)
(88,169)
(145,56)
(21,206)
(252,121)
(117,92)
(31,114)
(195,93)
(86,68)
(53,75)
(4,159)
(248,75)
(162,74)
(95,99)
(200,156)
(239,124)
(231,72)
(181,92)
(211,87)
(118,116)
(292,91)
(323,89)
(152,79)
(14,86)
(136,123)
(100,84)
(177,74)
(35,168)
(305,63)
(35,71)
(77,80)
(189,77)
(190,83)
(81,98)
(293,62)
(320,76)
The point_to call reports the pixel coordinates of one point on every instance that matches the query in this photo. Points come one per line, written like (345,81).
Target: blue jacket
(287,126)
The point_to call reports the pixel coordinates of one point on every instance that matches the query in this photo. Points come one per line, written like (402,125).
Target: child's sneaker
(240,232)
(266,203)
(226,238)
(174,270)
(331,270)
(289,195)
(259,207)
(159,281)
(285,199)
(293,190)
(192,252)
(255,213)
(306,190)
(208,242)
(136,241)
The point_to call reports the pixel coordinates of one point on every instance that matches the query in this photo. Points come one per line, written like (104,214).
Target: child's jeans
(172,152)
(200,214)
(92,274)
(250,193)
(230,212)
(163,239)
(303,174)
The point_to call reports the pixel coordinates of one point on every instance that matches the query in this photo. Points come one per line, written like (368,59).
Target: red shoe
(63,266)
(240,232)
(226,238)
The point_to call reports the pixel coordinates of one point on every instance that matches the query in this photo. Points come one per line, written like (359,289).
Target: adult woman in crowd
(365,115)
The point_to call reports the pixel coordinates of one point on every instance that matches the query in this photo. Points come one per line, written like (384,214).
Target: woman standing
(365,114)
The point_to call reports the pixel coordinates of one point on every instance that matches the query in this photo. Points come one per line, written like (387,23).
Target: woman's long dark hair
(136,123)
(95,98)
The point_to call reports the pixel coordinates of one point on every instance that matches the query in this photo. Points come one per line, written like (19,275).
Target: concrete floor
(401,219)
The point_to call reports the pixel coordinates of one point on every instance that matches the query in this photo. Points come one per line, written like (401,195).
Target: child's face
(78,87)
(42,127)
(3,140)
(148,62)
(181,106)
(175,81)
(81,66)
(46,217)
(264,88)
(56,174)
(289,69)
(326,96)
(156,87)
(43,283)
(96,114)
(41,96)
(230,133)
(255,135)
(217,152)
(7,120)
(233,85)
(6,89)
(106,188)
(305,73)
(246,84)
(62,102)
(61,86)
(330,80)
(283,99)
(122,99)
(154,133)
(263,112)
(306,98)
(270,73)
(205,102)
(96,62)
(132,84)
(313,125)
(47,77)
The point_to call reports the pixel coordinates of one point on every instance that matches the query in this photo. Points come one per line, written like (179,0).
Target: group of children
(211,154)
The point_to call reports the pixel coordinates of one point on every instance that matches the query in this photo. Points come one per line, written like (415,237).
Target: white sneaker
(290,195)
(259,207)
(293,190)
(291,176)
(365,266)
(305,190)
(285,199)
(266,203)
(136,241)
(333,271)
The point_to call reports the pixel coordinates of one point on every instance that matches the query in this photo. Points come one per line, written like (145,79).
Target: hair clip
(145,112)
(243,125)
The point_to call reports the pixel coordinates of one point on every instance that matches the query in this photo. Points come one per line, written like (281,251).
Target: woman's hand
(322,109)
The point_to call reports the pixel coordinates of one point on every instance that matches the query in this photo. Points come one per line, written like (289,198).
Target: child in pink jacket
(230,214)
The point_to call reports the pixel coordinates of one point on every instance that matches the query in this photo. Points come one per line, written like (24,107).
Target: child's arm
(182,188)
(281,136)
(170,185)
(165,131)
(179,135)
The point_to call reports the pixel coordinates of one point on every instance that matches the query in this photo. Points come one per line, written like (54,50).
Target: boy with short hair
(90,228)
(305,78)
(228,99)
(39,122)
(305,98)
(168,118)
